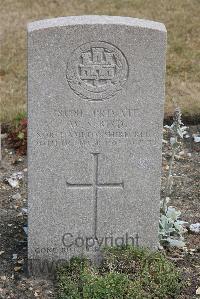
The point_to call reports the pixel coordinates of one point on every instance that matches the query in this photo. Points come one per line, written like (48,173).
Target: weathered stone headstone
(95,102)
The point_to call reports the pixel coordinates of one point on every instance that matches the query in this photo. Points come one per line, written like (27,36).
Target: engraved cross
(95,185)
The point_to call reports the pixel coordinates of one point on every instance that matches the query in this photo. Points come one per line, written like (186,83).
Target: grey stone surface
(95,108)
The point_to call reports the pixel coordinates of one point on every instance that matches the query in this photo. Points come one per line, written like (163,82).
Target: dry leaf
(198,291)
(3,277)
(16,269)
(36,294)
(20,214)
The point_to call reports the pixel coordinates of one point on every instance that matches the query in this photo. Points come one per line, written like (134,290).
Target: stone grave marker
(95,110)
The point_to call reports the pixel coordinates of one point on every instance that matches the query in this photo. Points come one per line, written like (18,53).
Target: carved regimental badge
(97,71)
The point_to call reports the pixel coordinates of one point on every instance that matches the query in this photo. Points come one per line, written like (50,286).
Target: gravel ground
(14,280)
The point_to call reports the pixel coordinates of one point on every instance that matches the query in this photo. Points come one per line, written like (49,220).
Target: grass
(125,273)
(181,18)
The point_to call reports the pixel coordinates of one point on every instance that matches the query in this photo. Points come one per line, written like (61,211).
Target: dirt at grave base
(14,282)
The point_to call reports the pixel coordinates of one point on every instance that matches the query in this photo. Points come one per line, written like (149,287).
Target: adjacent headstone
(95,107)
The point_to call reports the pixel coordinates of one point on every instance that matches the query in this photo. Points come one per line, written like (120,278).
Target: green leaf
(173,213)
(20,135)
(176,243)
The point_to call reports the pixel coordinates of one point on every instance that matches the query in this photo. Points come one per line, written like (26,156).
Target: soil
(14,280)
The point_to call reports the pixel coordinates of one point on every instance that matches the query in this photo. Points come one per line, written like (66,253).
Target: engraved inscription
(96,127)
(95,185)
(97,71)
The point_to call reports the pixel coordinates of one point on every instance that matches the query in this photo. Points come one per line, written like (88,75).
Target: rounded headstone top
(94,19)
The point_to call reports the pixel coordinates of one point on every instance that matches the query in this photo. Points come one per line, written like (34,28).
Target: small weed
(171,227)
(125,273)
(20,117)
(17,137)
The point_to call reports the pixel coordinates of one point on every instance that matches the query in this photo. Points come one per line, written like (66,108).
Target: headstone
(95,108)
